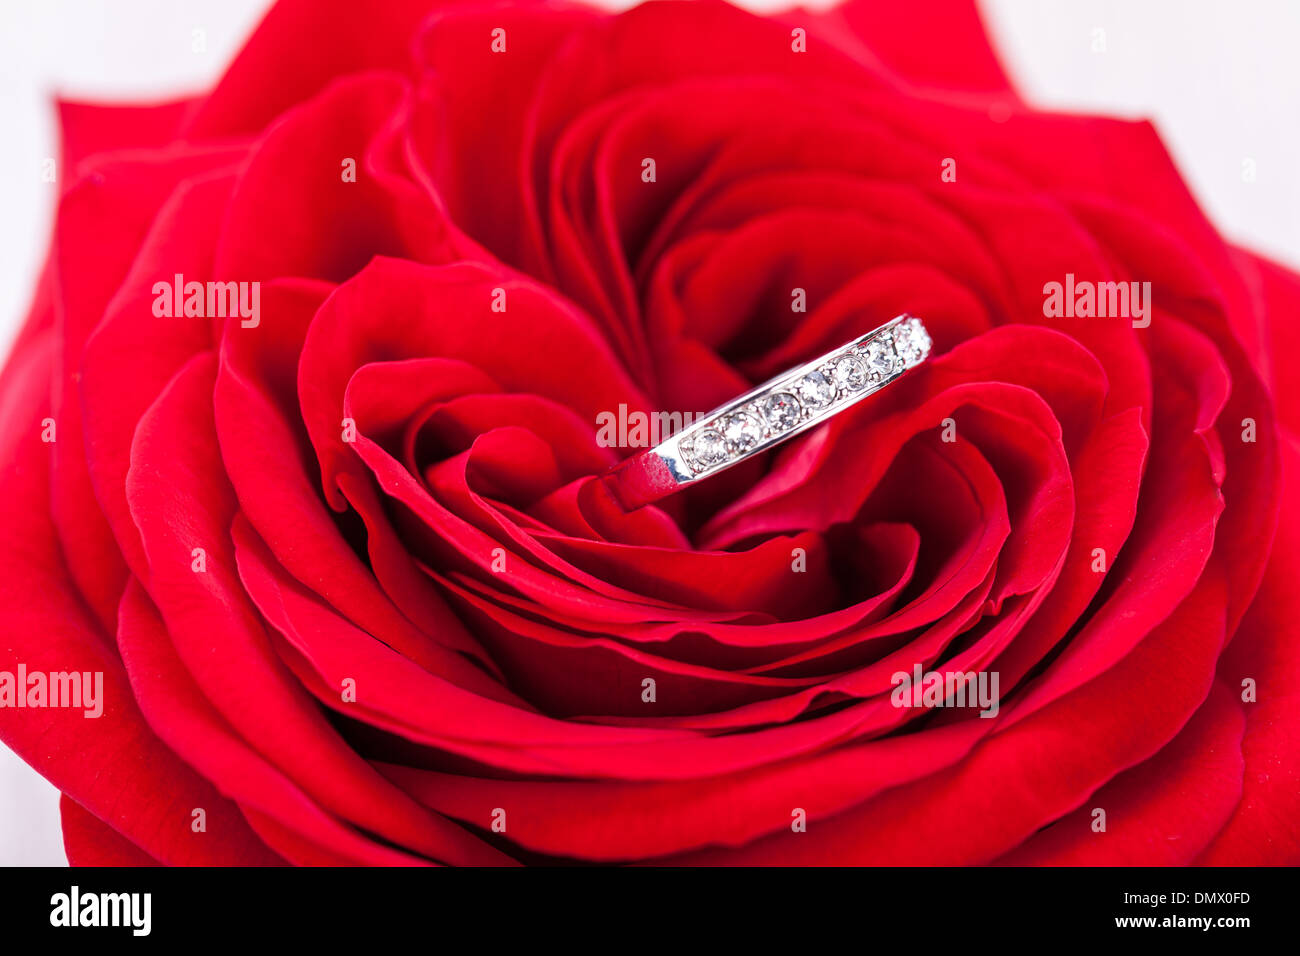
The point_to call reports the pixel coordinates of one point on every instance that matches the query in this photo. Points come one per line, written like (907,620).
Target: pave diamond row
(808,395)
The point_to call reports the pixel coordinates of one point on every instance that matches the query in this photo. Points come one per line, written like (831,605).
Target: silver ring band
(780,408)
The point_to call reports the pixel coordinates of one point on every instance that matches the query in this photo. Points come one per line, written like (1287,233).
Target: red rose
(300,453)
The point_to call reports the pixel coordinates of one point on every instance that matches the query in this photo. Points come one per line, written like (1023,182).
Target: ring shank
(874,360)
(640,480)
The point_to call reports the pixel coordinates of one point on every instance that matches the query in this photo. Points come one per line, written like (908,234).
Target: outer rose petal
(298,48)
(88,842)
(127,360)
(178,708)
(100,226)
(1029,775)
(1276,291)
(89,128)
(958,58)
(181,499)
(128,778)
(1163,811)
(293,214)
(1265,829)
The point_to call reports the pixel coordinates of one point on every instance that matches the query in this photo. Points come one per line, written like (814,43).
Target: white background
(1220,79)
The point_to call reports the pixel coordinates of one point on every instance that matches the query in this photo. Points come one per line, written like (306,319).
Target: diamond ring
(780,408)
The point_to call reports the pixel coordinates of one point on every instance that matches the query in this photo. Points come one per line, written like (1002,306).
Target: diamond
(912,340)
(782,411)
(705,449)
(849,373)
(815,390)
(741,432)
(882,360)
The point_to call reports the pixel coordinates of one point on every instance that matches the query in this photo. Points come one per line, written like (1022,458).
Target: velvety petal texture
(302,439)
